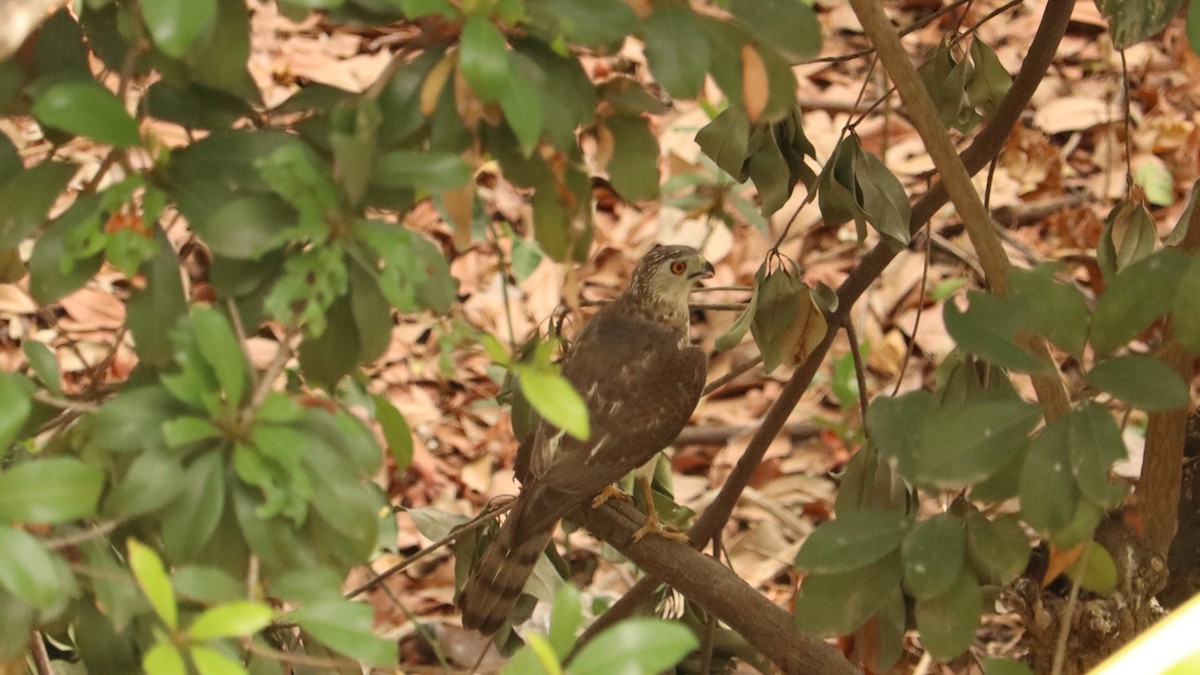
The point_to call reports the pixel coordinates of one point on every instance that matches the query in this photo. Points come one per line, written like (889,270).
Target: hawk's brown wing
(640,380)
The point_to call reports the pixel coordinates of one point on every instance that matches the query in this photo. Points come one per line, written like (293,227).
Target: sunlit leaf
(151,577)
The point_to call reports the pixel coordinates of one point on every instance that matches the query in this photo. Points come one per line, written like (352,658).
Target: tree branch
(1162,463)
(985,146)
(954,175)
(708,583)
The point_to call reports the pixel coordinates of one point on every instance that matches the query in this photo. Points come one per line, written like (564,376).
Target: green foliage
(177,483)
(631,646)
(855,185)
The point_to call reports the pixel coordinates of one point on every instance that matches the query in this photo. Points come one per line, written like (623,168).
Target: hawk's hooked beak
(706,272)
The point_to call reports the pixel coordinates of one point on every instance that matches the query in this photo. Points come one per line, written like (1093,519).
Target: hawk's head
(665,276)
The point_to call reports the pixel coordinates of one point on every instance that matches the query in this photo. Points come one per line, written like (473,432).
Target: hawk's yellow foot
(610,491)
(653,524)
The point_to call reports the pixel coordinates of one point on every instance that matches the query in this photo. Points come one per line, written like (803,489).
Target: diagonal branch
(716,588)
(985,146)
(954,175)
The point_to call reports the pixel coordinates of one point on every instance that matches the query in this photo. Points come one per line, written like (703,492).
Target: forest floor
(1062,170)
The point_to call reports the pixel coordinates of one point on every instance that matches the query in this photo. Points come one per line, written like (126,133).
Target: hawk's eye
(678,267)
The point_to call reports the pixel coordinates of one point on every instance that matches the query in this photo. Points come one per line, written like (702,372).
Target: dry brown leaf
(756,87)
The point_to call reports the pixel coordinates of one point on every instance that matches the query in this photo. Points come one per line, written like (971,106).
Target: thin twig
(75,538)
(714,306)
(473,524)
(916,25)
(41,658)
(272,371)
(733,373)
(303,659)
(859,372)
(240,331)
(1064,630)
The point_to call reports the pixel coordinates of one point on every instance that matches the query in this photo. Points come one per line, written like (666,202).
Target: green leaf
(830,605)
(483,58)
(435,523)
(737,330)
(415,9)
(676,58)
(212,662)
(997,549)
(1185,311)
(726,141)
(788,26)
(235,619)
(190,521)
(947,622)
(152,311)
(1081,528)
(15,391)
(635,646)
(1129,236)
(852,541)
(1054,310)
(1193,27)
(151,577)
(154,479)
(207,584)
(86,108)
(218,58)
(870,482)
(28,570)
(523,104)
(57,266)
(219,347)
(194,106)
(1138,295)
(51,490)
(1049,495)
(554,399)
(963,445)
(188,429)
(395,432)
(770,173)
(131,420)
(17,620)
(543,660)
(1005,667)
(175,24)
(431,171)
(566,85)
(1156,181)
(164,659)
(247,227)
(1141,381)
(45,364)
(933,553)
(633,169)
(1132,21)
(988,328)
(28,196)
(565,620)
(1093,444)
(895,425)
(346,627)
(590,23)
(1095,570)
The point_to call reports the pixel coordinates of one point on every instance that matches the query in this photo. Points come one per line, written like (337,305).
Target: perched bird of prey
(636,368)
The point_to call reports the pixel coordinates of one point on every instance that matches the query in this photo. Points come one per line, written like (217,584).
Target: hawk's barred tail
(491,591)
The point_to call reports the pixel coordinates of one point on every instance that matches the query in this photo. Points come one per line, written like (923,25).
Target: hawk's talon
(655,526)
(610,491)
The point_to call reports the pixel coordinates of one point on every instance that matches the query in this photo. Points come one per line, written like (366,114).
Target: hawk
(636,368)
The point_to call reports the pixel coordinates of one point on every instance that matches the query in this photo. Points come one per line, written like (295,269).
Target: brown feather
(641,378)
